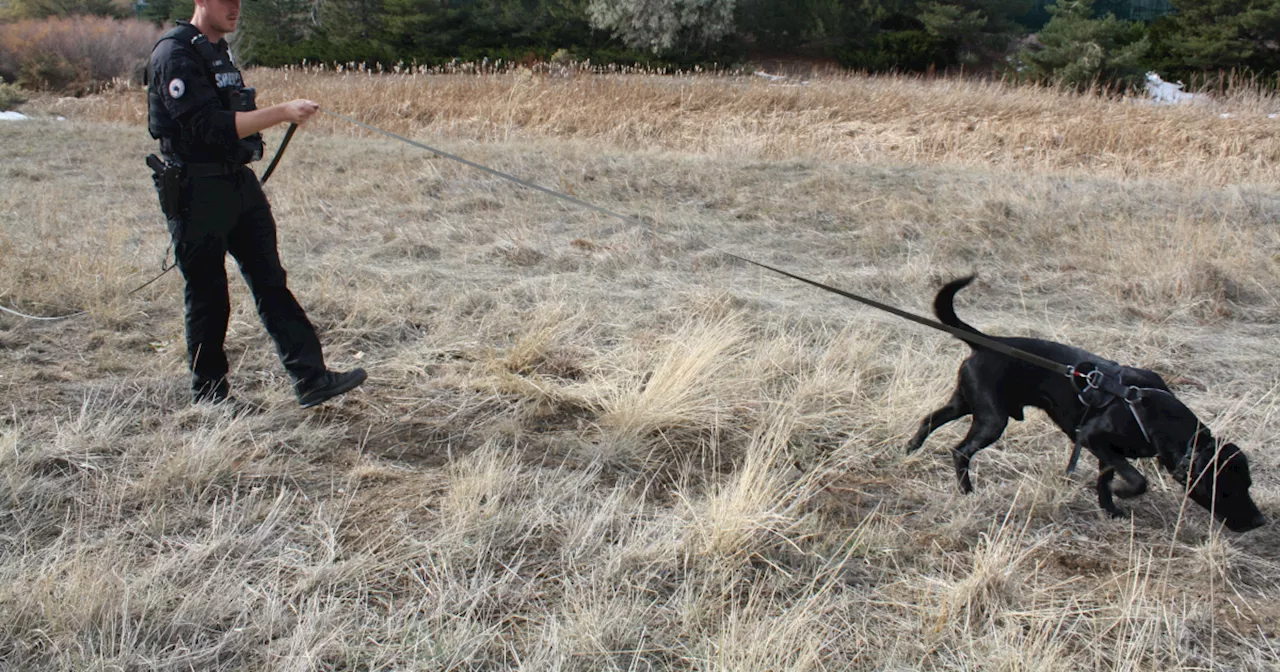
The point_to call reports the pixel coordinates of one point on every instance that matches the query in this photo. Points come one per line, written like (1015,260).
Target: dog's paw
(1116,513)
(1126,490)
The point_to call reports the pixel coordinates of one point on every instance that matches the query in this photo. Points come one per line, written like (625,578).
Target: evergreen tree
(1078,50)
(785,24)
(980,30)
(353,20)
(1227,34)
(266,25)
(167,11)
(662,26)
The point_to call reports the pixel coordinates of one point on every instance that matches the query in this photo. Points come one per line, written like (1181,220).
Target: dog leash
(165,266)
(977,339)
(968,336)
(47,318)
(1094,378)
(271,168)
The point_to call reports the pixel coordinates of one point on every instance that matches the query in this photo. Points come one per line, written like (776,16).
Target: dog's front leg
(1132,482)
(1110,465)
(1105,476)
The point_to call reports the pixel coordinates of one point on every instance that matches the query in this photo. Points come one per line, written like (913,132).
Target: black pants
(229,213)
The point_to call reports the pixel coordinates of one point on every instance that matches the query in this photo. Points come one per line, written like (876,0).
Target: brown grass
(582,450)
(963,123)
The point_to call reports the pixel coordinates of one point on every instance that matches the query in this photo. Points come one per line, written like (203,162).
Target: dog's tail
(944,305)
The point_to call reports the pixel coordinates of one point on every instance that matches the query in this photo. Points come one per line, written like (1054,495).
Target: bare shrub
(73,55)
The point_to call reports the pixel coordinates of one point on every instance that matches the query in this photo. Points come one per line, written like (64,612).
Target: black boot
(218,394)
(327,386)
(209,391)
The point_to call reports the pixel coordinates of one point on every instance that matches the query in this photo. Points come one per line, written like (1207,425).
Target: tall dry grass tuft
(481,487)
(202,462)
(1188,267)
(763,635)
(1002,564)
(754,507)
(682,386)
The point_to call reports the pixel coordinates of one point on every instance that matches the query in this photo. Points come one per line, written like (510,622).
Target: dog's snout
(1244,523)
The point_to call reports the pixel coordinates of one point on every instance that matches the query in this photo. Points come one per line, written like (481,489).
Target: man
(209,129)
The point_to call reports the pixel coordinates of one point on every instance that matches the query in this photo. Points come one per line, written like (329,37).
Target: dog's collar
(1182,470)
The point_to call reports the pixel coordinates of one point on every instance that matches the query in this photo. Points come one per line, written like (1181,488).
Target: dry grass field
(589,447)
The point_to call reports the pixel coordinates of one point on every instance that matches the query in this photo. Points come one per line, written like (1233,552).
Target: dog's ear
(1230,457)
(1198,476)
(1205,467)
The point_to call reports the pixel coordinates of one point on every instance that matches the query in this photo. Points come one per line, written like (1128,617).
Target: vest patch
(176,88)
(225,79)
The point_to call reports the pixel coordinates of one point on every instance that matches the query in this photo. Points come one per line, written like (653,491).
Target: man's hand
(300,110)
(293,112)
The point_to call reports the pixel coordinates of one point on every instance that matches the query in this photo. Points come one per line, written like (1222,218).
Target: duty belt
(210,169)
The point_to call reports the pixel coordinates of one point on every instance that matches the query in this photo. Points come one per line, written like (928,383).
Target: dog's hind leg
(986,429)
(956,408)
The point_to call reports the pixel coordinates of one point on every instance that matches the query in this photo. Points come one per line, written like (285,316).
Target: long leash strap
(43,317)
(165,266)
(288,135)
(1057,367)
(967,336)
(633,221)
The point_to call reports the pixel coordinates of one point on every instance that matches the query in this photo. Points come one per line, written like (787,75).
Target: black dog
(994,387)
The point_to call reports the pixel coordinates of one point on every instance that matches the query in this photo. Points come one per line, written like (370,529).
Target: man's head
(216,18)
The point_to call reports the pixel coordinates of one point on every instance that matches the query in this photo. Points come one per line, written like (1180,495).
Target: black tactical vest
(233,96)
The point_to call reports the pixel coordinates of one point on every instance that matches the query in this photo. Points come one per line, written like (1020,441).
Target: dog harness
(1101,388)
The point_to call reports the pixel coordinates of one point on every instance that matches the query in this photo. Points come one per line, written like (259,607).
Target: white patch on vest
(176,88)
(226,79)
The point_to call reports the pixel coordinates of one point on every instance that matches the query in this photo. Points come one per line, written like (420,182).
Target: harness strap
(1075,451)
(1131,395)
(1137,417)
(185,32)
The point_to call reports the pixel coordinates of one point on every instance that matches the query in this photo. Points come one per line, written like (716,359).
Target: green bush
(51,72)
(11,97)
(900,50)
(1241,35)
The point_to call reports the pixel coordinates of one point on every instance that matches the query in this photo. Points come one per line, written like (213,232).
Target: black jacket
(193,92)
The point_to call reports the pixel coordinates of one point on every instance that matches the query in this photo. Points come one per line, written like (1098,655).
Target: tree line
(1074,42)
